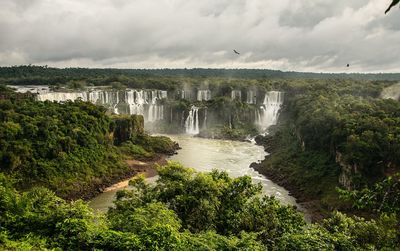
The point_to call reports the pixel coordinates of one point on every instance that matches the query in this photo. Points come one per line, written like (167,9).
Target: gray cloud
(306,35)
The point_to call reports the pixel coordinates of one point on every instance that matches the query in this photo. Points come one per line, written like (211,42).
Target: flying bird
(239,53)
(394,3)
(348,65)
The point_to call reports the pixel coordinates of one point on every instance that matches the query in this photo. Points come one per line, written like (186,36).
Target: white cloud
(312,35)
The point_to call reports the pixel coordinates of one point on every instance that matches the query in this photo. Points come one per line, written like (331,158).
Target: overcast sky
(299,35)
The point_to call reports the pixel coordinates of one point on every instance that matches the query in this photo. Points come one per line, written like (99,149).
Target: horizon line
(195,68)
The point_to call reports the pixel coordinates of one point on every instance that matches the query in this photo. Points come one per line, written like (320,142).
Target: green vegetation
(338,135)
(363,132)
(220,81)
(69,148)
(309,175)
(332,133)
(151,78)
(233,119)
(183,210)
(381,197)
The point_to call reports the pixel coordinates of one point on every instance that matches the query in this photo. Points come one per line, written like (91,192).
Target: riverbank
(135,167)
(205,155)
(311,205)
(147,168)
(298,172)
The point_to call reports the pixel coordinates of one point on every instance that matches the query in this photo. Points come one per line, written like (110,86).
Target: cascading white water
(115,108)
(135,100)
(268,113)
(156,111)
(143,102)
(203,95)
(251,97)
(147,103)
(96,97)
(236,94)
(62,96)
(192,121)
(30,88)
(185,94)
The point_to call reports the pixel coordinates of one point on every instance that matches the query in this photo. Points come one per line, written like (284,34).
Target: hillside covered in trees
(337,142)
(69,148)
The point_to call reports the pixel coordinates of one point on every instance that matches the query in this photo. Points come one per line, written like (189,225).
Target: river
(201,154)
(206,154)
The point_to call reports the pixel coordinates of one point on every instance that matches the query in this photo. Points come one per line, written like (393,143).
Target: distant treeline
(32,71)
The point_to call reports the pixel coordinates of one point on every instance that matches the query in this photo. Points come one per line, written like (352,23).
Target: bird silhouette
(239,53)
(394,3)
(348,65)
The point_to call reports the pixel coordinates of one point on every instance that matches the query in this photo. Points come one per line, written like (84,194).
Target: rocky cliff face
(348,172)
(127,127)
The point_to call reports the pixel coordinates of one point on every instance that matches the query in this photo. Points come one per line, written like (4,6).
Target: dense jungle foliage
(165,79)
(67,147)
(337,143)
(339,135)
(183,210)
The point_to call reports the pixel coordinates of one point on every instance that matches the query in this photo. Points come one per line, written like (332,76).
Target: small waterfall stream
(192,121)
(236,94)
(269,111)
(251,97)
(136,101)
(203,95)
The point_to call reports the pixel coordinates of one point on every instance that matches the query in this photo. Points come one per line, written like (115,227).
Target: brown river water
(204,155)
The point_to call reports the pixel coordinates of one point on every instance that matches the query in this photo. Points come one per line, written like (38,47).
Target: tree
(394,3)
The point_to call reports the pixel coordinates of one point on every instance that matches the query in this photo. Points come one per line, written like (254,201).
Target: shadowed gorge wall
(127,127)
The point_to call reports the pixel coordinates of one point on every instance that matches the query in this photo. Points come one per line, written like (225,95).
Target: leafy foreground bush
(183,210)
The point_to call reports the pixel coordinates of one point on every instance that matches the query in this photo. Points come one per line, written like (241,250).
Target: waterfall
(115,108)
(268,113)
(135,100)
(192,121)
(62,96)
(186,94)
(205,119)
(143,102)
(236,94)
(251,97)
(96,97)
(156,111)
(30,88)
(203,95)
